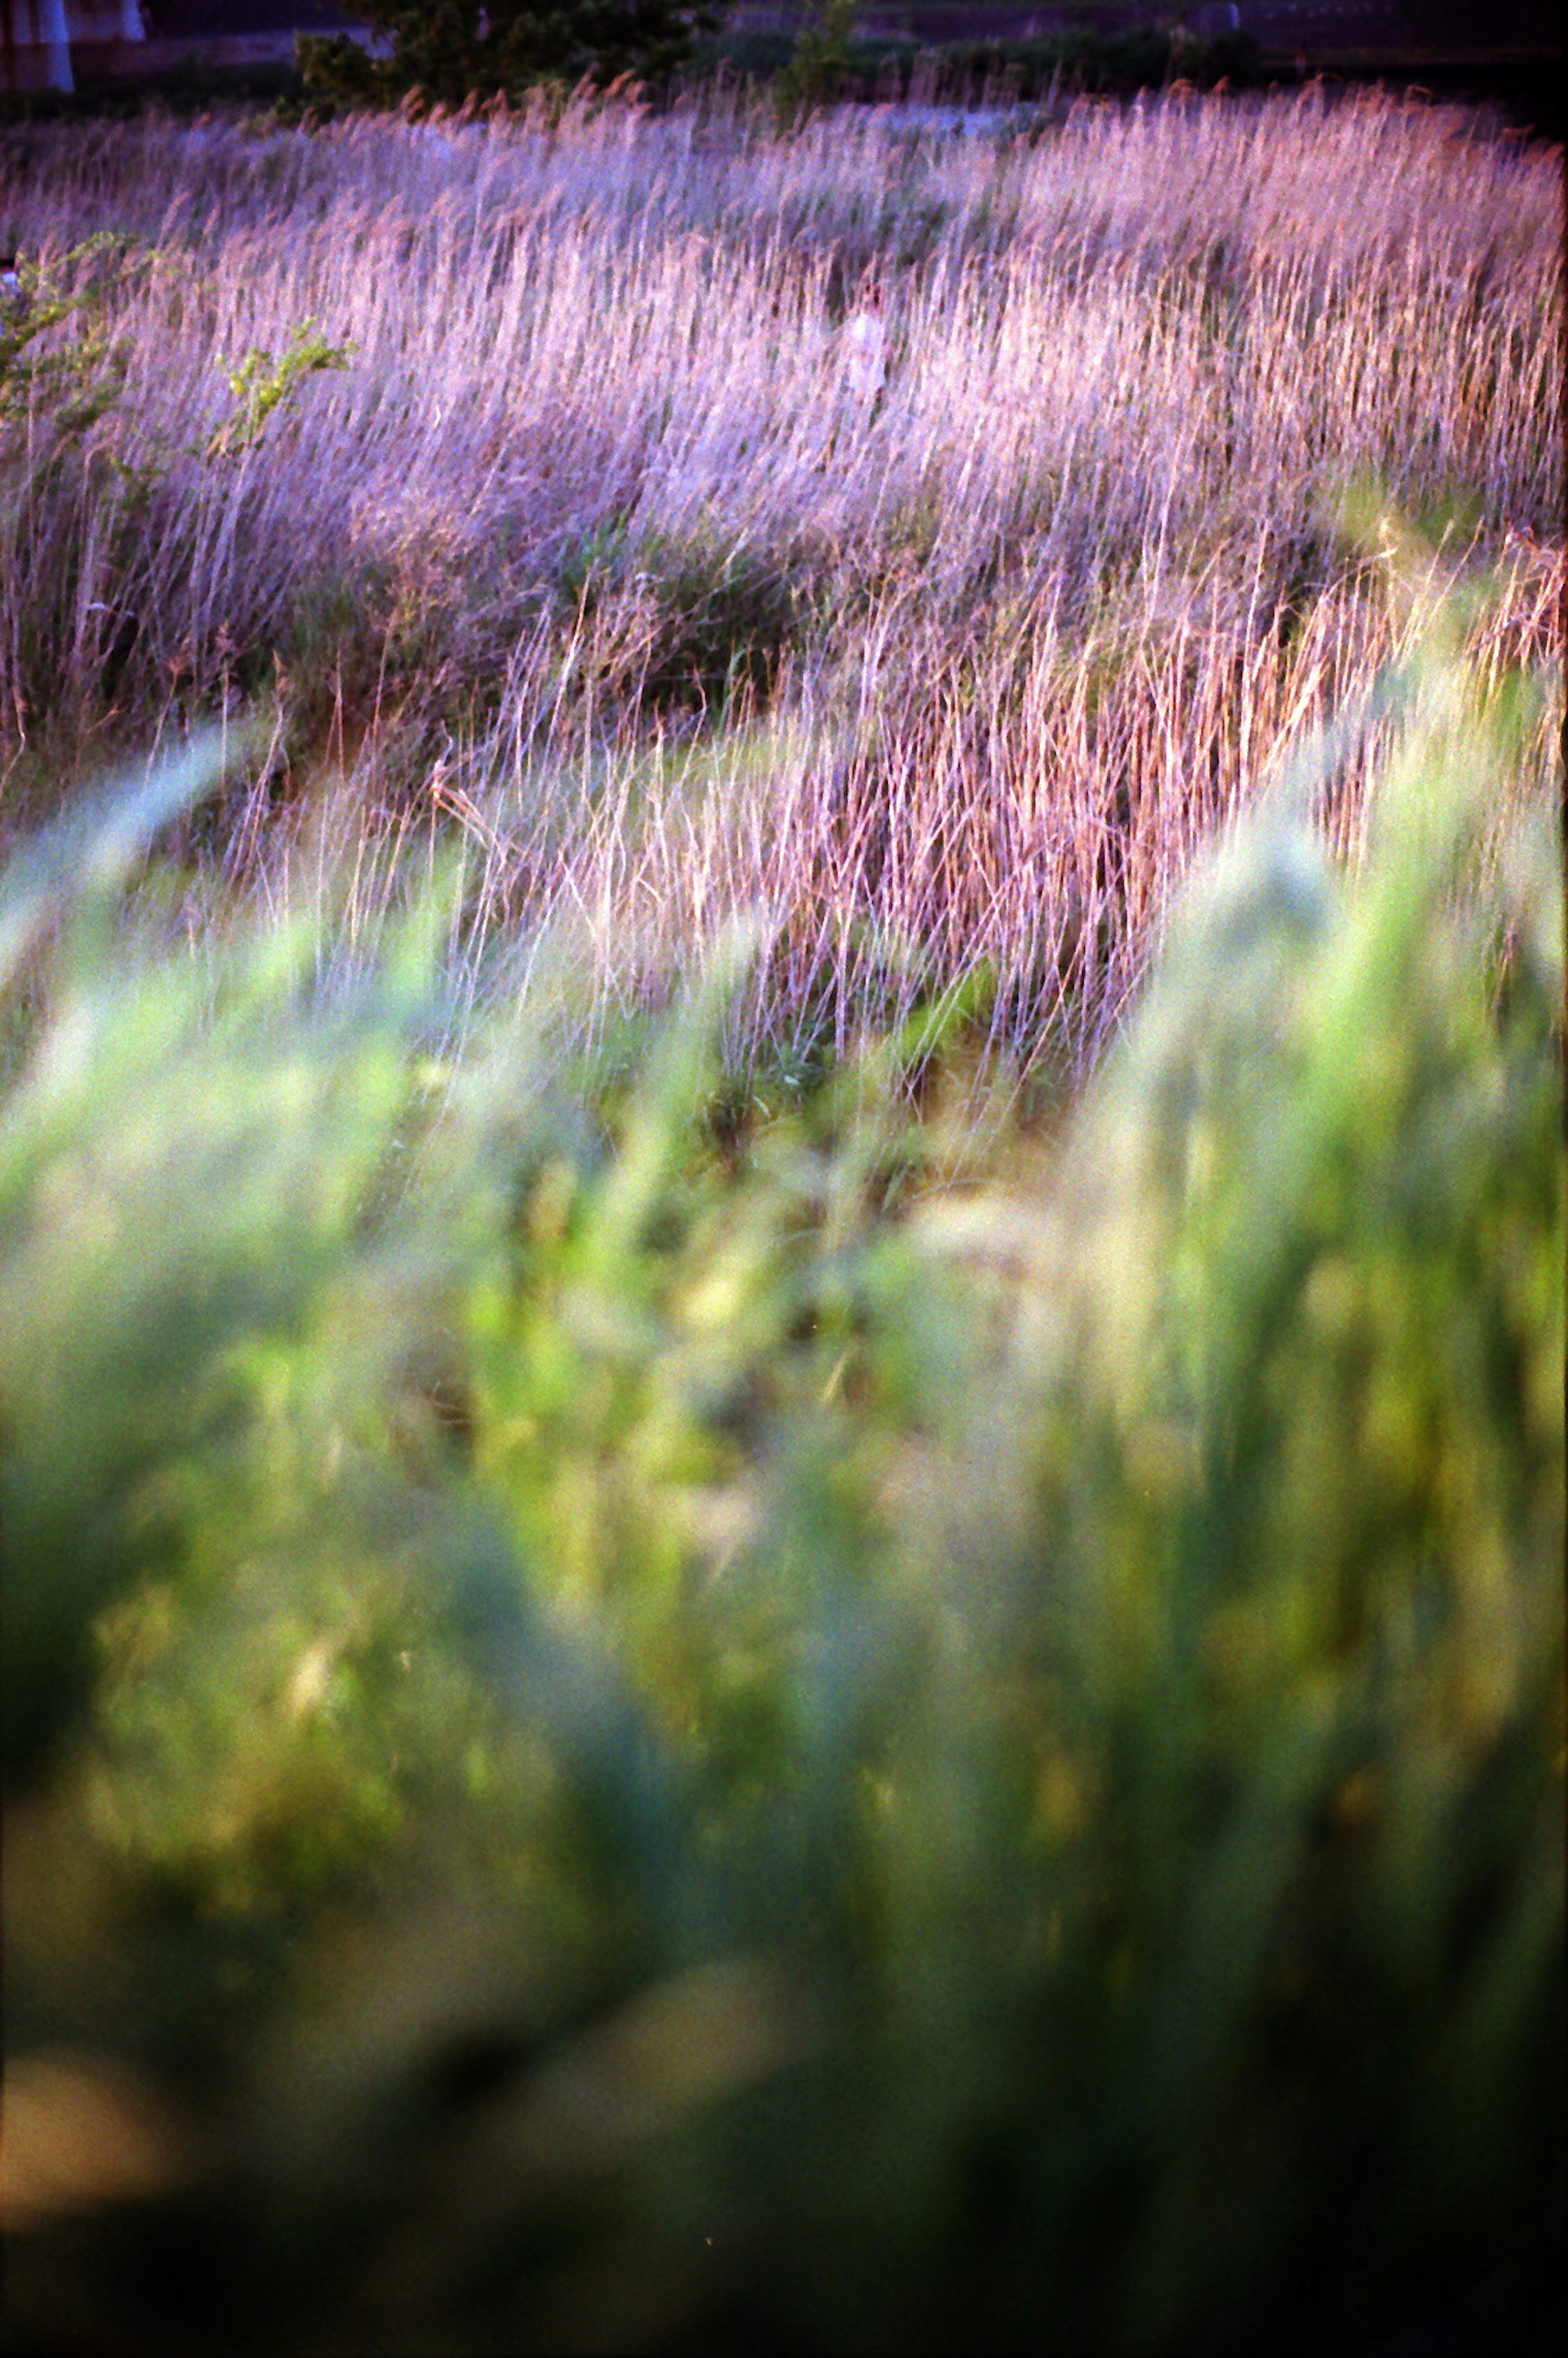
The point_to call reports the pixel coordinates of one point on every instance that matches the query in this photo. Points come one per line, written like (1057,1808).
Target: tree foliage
(449,50)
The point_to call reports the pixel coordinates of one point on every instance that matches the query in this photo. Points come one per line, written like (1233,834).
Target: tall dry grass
(596,554)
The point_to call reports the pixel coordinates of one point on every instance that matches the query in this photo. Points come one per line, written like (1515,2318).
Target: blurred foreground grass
(610,1743)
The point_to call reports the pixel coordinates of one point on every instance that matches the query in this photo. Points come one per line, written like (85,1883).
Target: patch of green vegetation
(695,619)
(625,1715)
(448,52)
(821,61)
(1103,63)
(63,375)
(833,60)
(264,384)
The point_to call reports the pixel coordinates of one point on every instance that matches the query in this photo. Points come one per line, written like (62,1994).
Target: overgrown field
(648,1707)
(624,548)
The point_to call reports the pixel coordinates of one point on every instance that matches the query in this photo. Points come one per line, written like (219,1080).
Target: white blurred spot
(865,354)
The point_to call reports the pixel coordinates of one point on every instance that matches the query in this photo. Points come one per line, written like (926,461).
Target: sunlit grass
(971,667)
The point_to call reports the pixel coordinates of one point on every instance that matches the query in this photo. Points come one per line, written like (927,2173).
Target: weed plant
(603,557)
(879,1736)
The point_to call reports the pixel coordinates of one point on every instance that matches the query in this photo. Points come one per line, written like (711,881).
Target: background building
(55,44)
(39,39)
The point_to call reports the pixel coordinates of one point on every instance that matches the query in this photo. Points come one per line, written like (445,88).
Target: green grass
(622,1726)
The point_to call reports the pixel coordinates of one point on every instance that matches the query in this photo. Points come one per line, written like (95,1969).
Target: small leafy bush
(262,386)
(63,384)
(70,450)
(820,62)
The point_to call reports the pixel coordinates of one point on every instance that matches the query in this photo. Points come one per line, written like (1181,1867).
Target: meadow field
(782,1245)
(601,552)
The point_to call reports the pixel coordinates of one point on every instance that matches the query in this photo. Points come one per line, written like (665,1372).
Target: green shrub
(819,64)
(683,621)
(606,1743)
(84,486)
(447,52)
(1106,63)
